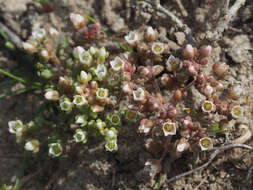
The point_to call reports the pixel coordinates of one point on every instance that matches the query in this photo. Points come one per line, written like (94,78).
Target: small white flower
(80,136)
(84,77)
(44,54)
(102,52)
(79,100)
(93,50)
(66,105)
(157,48)
(16,127)
(55,149)
(132,38)
(102,93)
(77,20)
(139,94)
(208,106)
(85,58)
(38,34)
(100,125)
(96,108)
(101,71)
(115,119)
(117,64)
(32,145)
(52,95)
(111,145)
(205,143)
(78,51)
(237,112)
(173,64)
(80,119)
(110,134)
(29,146)
(29,47)
(53,31)
(169,128)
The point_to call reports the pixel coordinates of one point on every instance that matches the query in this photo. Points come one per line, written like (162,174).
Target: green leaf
(4,187)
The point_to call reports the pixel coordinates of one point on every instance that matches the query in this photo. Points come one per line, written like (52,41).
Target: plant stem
(13,76)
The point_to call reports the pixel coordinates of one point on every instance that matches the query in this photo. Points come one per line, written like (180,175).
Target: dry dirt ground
(89,166)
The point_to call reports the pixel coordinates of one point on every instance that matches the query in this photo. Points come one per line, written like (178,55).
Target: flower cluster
(91,93)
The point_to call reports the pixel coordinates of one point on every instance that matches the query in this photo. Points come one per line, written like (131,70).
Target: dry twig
(181,7)
(212,157)
(227,17)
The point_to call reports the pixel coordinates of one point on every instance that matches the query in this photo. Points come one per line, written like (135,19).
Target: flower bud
(145,126)
(44,54)
(189,52)
(32,145)
(84,77)
(97,108)
(127,87)
(172,113)
(178,95)
(220,69)
(52,95)
(157,69)
(78,20)
(205,51)
(29,47)
(182,145)
(191,69)
(53,31)
(38,34)
(235,92)
(150,34)
(208,90)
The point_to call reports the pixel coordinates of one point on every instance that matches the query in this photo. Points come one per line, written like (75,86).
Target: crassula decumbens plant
(90,92)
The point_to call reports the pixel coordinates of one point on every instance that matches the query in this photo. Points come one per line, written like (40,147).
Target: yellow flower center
(208,106)
(237,111)
(169,127)
(206,143)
